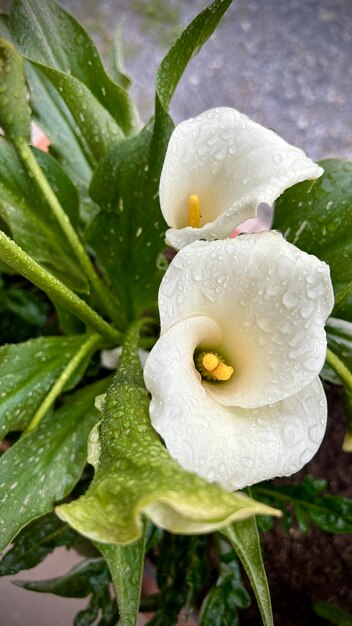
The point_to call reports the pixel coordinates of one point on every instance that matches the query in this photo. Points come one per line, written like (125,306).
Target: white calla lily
(218,168)
(260,304)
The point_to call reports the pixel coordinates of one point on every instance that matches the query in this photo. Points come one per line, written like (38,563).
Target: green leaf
(30,220)
(79,582)
(14,110)
(245,540)
(24,304)
(52,39)
(116,66)
(316,216)
(89,578)
(35,542)
(126,567)
(330,513)
(27,371)
(95,123)
(43,466)
(49,35)
(66,143)
(135,475)
(182,574)
(129,230)
(334,614)
(186,47)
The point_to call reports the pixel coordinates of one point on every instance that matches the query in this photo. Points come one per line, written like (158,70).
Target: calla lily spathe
(262,304)
(232,165)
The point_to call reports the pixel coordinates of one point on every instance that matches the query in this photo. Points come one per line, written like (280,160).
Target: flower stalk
(88,346)
(20,261)
(34,169)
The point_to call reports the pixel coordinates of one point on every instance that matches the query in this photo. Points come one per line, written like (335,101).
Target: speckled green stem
(102,293)
(91,343)
(20,261)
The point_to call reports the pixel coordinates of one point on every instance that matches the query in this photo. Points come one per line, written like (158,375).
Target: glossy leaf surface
(316,217)
(27,371)
(43,466)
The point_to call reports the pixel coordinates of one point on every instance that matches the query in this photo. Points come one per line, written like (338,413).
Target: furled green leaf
(27,371)
(134,473)
(14,110)
(30,220)
(316,216)
(35,542)
(126,567)
(129,231)
(245,540)
(44,465)
(334,614)
(330,513)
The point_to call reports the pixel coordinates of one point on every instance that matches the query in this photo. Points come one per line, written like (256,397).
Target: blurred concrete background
(287,64)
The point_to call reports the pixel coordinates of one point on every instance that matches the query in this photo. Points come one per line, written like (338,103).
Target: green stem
(20,261)
(37,173)
(340,368)
(91,343)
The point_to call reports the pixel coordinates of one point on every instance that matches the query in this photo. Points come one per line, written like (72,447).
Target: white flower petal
(232,446)
(232,164)
(270,301)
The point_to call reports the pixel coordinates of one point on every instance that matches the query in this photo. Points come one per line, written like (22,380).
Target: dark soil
(304,569)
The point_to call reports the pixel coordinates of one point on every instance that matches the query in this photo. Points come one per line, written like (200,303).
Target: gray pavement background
(287,64)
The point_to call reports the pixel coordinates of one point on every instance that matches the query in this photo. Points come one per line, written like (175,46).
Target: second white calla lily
(234,376)
(218,168)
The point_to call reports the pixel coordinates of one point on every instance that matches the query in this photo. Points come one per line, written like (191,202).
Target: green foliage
(31,223)
(339,335)
(27,371)
(14,109)
(226,596)
(126,566)
(316,217)
(52,39)
(183,571)
(332,613)
(311,504)
(89,578)
(244,539)
(44,466)
(35,542)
